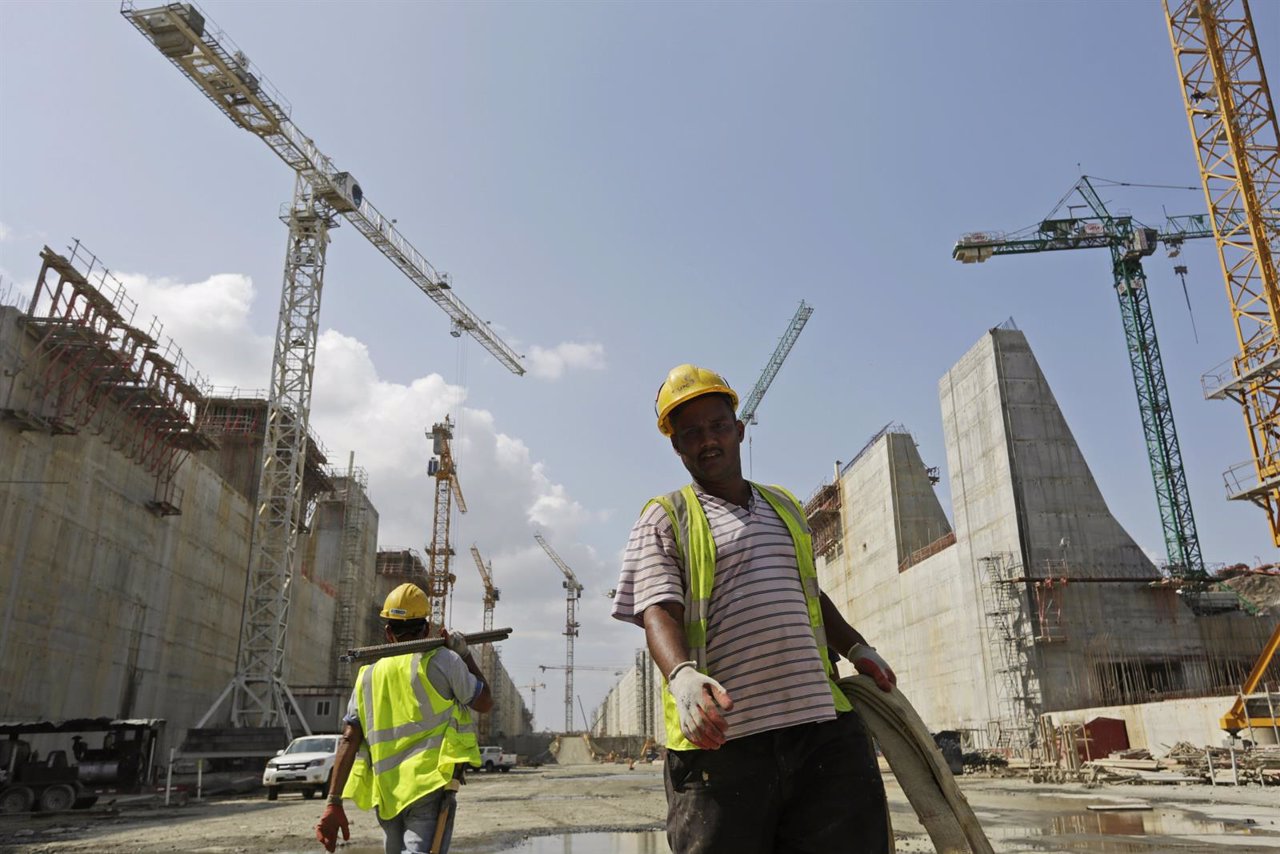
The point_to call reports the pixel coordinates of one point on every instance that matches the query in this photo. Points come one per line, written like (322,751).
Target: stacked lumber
(1186,763)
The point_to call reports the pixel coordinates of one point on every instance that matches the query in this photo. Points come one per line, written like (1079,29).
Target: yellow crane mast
(439,579)
(1237,145)
(491,593)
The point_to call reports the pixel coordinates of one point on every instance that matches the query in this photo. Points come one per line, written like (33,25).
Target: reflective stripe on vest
(696,549)
(413,736)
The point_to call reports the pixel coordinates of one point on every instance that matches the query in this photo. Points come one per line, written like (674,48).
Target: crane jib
(185,35)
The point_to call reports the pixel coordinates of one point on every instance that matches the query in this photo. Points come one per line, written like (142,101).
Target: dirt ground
(496,812)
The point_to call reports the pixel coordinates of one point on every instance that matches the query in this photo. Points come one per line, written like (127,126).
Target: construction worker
(407,727)
(764,752)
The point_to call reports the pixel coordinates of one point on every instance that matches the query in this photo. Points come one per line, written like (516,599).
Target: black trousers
(814,788)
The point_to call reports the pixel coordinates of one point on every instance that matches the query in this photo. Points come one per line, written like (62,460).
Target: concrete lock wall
(1023,493)
(107,609)
(633,706)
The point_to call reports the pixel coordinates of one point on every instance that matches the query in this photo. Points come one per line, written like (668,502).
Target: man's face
(708,438)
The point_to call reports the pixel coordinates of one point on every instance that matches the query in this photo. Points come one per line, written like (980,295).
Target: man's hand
(327,830)
(869,663)
(456,642)
(699,699)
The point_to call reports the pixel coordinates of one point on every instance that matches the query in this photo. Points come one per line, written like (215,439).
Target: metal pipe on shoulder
(383,650)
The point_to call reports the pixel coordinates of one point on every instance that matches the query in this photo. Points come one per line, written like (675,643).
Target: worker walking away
(764,752)
(408,728)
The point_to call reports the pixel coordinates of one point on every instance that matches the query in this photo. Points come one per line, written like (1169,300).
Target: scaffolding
(1013,650)
(91,370)
(237,418)
(401,565)
(823,512)
(350,489)
(1050,591)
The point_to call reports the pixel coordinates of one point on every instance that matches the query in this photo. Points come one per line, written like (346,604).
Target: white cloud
(209,320)
(5,231)
(551,364)
(509,493)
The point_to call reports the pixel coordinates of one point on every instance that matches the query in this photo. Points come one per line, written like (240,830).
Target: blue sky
(620,188)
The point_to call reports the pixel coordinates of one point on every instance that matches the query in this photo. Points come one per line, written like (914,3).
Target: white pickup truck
(493,759)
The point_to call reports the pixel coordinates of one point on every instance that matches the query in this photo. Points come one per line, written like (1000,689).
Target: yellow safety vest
(697,550)
(413,736)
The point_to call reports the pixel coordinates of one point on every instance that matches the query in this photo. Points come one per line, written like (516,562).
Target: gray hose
(919,767)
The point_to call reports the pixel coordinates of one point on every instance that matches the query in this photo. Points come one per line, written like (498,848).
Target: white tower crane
(573,592)
(222,72)
(533,692)
(487,653)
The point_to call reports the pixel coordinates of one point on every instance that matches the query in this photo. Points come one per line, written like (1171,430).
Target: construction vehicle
(493,759)
(260,702)
(74,775)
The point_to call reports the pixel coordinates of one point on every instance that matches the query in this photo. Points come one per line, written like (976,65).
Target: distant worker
(764,751)
(407,727)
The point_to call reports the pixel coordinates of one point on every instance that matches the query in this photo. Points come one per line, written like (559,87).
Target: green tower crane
(1129,241)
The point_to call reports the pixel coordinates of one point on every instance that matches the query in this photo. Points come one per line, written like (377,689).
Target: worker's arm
(699,698)
(664,631)
(848,640)
(840,635)
(483,701)
(334,817)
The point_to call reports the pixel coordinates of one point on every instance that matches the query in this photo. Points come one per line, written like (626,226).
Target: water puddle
(644,842)
(1139,832)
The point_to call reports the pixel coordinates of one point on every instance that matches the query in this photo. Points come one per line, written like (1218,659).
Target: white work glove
(456,642)
(699,701)
(869,663)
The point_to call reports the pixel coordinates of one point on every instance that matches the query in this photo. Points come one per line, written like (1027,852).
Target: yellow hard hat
(406,602)
(684,383)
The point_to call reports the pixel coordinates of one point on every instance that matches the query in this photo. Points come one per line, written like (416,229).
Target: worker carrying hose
(764,752)
(407,727)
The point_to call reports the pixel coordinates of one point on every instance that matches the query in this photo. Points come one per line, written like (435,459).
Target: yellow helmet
(406,602)
(684,383)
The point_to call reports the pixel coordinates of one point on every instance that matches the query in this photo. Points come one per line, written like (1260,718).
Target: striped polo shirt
(759,643)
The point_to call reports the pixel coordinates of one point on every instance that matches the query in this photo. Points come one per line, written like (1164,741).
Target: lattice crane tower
(487,653)
(573,592)
(491,593)
(442,467)
(747,412)
(1129,242)
(1237,143)
(222,72)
